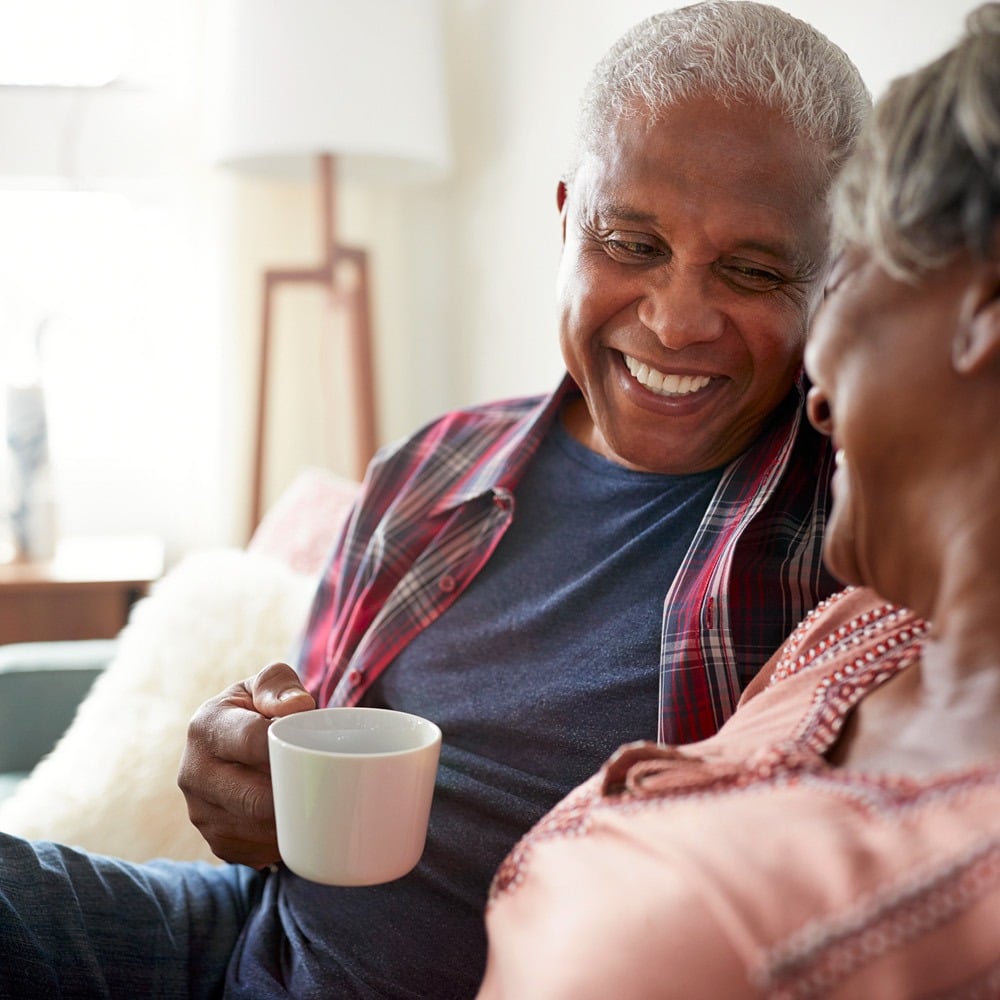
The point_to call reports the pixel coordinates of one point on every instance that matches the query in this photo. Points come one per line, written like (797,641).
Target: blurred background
(135,228)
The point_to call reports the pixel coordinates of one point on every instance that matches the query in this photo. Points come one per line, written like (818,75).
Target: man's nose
(678,307)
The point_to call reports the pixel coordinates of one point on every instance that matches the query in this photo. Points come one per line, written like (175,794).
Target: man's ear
(562,199)
(976,343)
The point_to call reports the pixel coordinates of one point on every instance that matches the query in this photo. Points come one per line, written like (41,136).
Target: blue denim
(74,924)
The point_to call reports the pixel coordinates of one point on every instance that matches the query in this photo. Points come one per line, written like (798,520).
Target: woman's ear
(976,343)
(562,194)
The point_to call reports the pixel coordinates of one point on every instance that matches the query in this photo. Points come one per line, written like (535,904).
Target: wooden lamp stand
(343,272)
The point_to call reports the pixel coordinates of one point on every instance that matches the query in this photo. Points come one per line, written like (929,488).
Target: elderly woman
(841,835)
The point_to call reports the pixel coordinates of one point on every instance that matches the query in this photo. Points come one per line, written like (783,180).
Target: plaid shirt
(433,509)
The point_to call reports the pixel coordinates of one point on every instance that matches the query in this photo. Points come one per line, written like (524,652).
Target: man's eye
(631,248)
(749,276)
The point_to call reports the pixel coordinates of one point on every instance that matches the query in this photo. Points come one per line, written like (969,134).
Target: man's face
(693,252)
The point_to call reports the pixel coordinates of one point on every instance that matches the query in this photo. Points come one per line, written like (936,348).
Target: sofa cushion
(41,685)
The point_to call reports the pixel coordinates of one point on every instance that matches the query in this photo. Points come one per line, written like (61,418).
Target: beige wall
(463,271)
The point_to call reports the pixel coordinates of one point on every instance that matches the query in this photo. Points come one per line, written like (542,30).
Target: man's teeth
(665,385)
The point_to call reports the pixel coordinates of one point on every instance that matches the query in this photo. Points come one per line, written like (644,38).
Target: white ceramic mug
(352,792)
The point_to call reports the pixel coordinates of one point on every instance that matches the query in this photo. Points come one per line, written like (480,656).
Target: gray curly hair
(740,52)
(924,183)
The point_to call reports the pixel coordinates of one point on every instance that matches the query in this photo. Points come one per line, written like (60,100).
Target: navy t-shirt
(542,667)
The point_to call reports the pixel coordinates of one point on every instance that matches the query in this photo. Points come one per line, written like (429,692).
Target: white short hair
(739,52)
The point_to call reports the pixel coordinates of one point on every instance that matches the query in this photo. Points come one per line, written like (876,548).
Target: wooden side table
(84,591)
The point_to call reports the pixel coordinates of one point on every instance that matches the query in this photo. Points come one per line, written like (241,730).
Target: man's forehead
(704,141)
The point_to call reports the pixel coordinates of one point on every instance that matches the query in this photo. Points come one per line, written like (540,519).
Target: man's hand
(224,773)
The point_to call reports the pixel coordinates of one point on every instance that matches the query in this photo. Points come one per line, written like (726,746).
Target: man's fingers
(224,771)
(277,691)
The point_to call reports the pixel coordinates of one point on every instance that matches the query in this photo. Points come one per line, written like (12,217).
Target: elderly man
(537,576)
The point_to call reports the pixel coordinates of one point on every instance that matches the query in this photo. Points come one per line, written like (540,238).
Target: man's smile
(664,384)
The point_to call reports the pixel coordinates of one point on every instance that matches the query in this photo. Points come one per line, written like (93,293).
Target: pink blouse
(748,866)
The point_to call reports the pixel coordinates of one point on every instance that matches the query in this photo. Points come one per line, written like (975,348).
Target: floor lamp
(332,87)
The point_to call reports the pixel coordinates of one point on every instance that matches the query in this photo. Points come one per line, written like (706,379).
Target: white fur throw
(110,784)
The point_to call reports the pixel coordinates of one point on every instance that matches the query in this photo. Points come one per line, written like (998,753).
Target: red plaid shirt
(433,509)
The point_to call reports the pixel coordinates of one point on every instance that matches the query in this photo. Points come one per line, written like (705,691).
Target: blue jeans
(74,924)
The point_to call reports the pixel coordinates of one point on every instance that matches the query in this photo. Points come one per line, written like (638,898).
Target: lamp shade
(360,79)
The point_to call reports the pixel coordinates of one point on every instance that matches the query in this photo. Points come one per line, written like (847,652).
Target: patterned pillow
(304,522)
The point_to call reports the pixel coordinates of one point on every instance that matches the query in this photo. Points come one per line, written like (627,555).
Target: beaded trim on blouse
(871,648)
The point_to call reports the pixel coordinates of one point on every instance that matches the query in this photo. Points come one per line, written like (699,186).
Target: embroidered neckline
(861,655)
